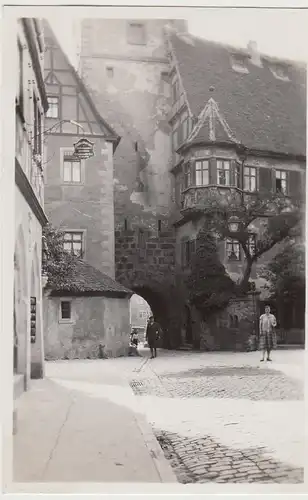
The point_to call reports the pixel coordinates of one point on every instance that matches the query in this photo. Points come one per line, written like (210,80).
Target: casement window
(20,96)
(233,250)
(136,34)
(250,179)
(224,172)
(281,181)
(73,243)
(53,109)
(65,313)
(187,175)
(71,169)
(202,172)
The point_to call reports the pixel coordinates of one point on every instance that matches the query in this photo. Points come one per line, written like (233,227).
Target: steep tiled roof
(263,112)
(87,279)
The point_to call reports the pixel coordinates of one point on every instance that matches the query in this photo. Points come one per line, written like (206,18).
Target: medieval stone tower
(125,67)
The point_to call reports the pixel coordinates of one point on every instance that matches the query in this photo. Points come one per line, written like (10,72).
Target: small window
(73,243)
(109,72)
(188,250)
(233,250)
(202,173)
(66,310)
(250,179)
(279,71)
(223,172)
(238,63)
(281,181)
(136,34)
(53,110)
(71,169)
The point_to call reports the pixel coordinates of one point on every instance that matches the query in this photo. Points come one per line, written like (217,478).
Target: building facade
(31,105)
(186,109)
(79,200)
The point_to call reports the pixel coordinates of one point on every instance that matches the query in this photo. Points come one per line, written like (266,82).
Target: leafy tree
(209,286)
(285,273)
(57,264)
(276,216)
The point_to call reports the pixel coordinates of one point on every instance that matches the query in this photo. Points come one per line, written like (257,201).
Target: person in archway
(267,333)
(152,336)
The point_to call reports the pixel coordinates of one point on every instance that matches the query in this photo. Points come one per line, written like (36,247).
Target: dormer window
(279,71)
(238,63)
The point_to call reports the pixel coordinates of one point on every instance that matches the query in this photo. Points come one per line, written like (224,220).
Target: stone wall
(99,327)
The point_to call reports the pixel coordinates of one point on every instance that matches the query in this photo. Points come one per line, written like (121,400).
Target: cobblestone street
(224,417)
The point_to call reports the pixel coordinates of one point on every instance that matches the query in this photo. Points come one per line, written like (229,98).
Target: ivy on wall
(209,286)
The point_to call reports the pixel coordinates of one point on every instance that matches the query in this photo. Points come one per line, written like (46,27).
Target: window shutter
(266,179)
(213,171)
(295,183)
(192,167)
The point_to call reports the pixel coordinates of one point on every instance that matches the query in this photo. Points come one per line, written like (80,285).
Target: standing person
(268,339)
(152,336)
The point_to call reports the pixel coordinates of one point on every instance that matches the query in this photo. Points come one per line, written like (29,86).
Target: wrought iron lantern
(83,149)
(234,224)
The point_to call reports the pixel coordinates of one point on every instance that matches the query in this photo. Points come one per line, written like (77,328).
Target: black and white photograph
(153,193)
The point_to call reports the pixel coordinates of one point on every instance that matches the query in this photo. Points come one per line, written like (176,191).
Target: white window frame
(249,177)
(54,107)
(202,170)
(71,318)
(66,152)
(282,175)
(76,231)
(225,170)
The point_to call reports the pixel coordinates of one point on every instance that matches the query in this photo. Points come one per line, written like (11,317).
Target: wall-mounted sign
(83,149)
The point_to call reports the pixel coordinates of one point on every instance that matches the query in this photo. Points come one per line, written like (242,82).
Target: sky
(281,33)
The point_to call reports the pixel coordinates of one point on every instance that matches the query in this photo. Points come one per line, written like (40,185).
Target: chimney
(255,58)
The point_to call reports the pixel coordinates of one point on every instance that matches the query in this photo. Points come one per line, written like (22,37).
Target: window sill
(66,321)
(64,183)
(213,185)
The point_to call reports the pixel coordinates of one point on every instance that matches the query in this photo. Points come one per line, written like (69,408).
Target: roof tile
(264,112)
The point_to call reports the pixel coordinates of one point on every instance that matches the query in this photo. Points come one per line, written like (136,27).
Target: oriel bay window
(202,172)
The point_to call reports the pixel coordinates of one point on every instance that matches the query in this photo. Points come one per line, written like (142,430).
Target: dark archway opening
(159,310)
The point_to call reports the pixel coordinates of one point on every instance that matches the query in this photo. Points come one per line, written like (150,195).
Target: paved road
(224,417)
